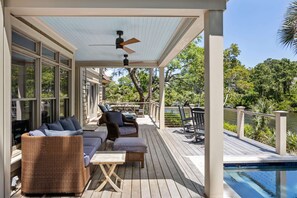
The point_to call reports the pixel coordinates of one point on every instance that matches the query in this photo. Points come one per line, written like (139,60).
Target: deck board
(170,167)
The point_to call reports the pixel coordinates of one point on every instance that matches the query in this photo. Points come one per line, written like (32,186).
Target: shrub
(172,120)
(230,127)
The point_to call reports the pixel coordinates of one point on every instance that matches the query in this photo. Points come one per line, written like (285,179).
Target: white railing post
(240,121)
(281,132)
(153,111)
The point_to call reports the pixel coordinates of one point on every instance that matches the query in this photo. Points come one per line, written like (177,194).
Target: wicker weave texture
(53,165)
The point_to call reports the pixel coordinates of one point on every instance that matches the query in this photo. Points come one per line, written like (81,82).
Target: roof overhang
(192,12)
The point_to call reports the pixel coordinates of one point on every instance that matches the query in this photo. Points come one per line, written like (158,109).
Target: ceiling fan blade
(130,41)
(128,50)
(102,45)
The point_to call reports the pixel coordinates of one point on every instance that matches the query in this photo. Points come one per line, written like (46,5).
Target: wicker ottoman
(134,146)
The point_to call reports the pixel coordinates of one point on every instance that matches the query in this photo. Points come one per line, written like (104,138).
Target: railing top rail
(259,114)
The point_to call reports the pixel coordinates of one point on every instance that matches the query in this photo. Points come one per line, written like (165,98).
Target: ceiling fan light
(126,62)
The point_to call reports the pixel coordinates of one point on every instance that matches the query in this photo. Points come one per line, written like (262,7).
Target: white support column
(240,121)
(5,106)
(162,98)
(150,90)
(214,111)
(281,132)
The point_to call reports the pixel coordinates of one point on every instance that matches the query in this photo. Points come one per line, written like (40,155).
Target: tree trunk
(132,74)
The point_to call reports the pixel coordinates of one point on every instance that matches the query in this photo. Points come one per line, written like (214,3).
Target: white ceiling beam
(51,33)
(185,8)
(186,33)
(115,64)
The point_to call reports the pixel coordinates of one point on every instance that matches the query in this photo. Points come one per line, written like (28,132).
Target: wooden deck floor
(173,165)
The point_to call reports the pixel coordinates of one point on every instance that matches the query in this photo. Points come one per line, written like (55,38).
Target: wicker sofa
(58,164)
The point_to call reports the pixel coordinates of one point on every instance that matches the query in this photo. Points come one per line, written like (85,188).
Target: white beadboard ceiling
(154,33)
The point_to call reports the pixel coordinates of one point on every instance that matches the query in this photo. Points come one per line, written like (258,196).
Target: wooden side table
(108,160)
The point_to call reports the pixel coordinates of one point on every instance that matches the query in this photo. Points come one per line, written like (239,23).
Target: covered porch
(193,18)
(174,166)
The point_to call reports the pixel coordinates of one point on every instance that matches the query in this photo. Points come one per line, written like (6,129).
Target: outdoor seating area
(173,165)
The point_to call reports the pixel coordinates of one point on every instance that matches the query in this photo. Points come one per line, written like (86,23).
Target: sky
(253,25)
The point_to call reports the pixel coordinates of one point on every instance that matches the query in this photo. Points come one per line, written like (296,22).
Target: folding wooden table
(108,160)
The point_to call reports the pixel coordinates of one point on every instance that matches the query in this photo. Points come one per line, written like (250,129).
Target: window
(64,60)
(48,103)
(48,81)
(48,53)
(23,41)
(23,76)
(64,93)
(23,106)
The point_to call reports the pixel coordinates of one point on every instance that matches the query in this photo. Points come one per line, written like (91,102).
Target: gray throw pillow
(115,117)
(75,123)
(67,124)
(42,127)
(55,126)
(36,133)
(60,133)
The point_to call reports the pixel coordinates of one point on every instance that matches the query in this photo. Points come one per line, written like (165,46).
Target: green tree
(288,31)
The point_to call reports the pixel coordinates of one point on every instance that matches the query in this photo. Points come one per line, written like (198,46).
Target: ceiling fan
(126,61)
(120,43)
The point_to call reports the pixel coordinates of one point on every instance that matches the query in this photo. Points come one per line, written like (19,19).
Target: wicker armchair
(53,165)
(128,129)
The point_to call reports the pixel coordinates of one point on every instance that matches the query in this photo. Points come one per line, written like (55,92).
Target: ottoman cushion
(130,144)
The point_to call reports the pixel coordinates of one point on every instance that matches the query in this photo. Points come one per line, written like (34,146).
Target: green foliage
(172,120)
(288,31)
(230,127)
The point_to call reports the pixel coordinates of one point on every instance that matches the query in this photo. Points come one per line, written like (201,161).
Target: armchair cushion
(125,130)
(55,126)
(103,108)
(67,124)
(115,117)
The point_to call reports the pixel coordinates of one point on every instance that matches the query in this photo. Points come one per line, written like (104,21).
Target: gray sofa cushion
(125,130)
(90,152)
(99,134)
(130,144)
(86,159)
(67,124)
(55,126)
(115,117)
(91,141)
(60,133)
(36,133)
(75,123)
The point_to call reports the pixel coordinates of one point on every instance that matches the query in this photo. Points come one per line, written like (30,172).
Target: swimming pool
(262,180)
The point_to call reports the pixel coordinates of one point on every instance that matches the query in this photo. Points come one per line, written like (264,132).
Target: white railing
(280,126)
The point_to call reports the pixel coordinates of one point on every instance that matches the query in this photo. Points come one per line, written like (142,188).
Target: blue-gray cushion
(60,133)
(42,127)
(127,130)
(55,126)
(130,144)
(88,141)
(103,108)
(90,151)
(75,123)
(99,134)
(36,133)
(115,117)
(67,124)
(86,159)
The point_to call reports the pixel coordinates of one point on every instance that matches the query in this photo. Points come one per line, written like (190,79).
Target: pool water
(262,180)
